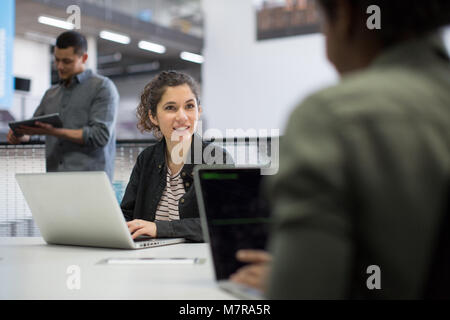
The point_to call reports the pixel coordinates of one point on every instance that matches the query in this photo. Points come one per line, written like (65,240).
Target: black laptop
(234,215)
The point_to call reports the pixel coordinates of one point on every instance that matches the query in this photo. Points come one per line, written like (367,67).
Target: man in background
(87,105)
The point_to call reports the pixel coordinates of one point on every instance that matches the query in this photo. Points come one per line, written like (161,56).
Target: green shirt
(363,169)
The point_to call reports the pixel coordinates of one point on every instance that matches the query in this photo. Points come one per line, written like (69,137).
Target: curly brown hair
(152,94)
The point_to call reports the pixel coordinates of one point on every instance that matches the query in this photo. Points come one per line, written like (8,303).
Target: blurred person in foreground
(359,198)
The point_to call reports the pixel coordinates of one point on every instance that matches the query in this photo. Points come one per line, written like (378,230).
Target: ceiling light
(111,58)
(39,37)
(192,57)
(116,37)
(55,22)
(143,67)
(113,71)
(150,46)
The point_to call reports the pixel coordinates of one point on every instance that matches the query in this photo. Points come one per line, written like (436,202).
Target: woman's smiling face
(177,113)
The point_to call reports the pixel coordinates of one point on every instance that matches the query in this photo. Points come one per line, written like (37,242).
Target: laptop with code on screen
(234,216)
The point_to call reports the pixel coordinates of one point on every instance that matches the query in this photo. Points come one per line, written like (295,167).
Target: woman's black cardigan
(148,181)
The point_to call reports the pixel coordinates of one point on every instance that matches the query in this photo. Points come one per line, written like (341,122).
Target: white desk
(31,269)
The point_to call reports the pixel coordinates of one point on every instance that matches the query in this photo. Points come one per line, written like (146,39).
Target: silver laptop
(80,208)
(234,216)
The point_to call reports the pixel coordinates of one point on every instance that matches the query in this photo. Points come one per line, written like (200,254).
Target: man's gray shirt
(90,103)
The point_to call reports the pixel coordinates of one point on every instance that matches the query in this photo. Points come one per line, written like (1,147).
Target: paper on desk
(154,261)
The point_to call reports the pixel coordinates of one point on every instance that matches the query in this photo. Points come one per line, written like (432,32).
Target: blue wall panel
(7,21)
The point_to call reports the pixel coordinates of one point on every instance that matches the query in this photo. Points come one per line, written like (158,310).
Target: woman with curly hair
(160,200)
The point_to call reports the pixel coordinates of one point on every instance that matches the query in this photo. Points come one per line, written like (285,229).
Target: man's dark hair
(72,39)
(399,19)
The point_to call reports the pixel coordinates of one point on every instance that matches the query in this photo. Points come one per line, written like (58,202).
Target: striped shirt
(167,209)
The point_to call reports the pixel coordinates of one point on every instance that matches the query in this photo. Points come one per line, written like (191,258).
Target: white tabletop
(31,269)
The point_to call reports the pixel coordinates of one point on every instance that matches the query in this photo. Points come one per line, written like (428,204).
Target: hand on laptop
(255,274)
(138,227)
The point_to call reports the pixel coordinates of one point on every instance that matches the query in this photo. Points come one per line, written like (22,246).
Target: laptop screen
(236,213)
